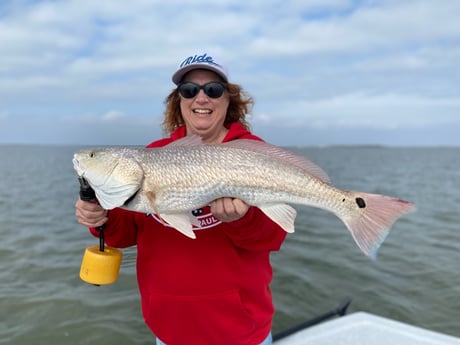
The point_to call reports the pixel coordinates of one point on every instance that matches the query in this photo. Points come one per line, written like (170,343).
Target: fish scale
(251,180)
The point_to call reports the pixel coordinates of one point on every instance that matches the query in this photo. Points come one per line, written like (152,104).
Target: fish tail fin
(374,216)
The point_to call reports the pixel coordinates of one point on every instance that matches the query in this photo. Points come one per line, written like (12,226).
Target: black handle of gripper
(87,194)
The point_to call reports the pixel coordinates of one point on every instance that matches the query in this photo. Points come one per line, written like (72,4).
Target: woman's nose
(201,96)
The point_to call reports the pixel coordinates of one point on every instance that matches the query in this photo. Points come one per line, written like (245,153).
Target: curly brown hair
(240,105)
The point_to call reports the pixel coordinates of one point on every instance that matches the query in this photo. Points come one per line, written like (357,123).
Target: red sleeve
(255,231)
(120,229)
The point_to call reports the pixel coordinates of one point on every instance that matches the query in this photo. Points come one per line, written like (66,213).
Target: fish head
(113,173)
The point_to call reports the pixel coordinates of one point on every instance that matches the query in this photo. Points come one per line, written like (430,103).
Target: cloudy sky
(321,71)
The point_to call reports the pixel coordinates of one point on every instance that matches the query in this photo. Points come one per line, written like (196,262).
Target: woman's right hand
(90,214)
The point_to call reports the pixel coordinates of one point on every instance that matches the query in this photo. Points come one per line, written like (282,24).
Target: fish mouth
(78,168)
(81,171)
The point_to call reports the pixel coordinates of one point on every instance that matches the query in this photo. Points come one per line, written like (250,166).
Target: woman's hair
(240,104)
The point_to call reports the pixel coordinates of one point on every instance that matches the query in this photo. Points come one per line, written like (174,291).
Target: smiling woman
(229,302)
(205,114)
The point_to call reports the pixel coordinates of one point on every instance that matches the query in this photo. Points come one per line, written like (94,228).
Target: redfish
(186,175)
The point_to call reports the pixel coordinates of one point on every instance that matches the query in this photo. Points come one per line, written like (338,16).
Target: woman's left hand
(229,209)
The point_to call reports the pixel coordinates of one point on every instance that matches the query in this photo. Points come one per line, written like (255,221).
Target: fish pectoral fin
(282,214)
(151,196)
(180,222)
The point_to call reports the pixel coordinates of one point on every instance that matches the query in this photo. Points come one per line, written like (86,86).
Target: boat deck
(364,328)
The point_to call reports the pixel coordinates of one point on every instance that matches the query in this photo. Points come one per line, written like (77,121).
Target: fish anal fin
(282,214)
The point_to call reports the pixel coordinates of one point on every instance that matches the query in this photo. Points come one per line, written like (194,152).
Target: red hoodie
(210,290)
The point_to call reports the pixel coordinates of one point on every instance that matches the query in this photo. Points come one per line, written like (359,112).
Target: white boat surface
(362,328)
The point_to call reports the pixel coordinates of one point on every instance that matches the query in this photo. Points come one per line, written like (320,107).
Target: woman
(214,289)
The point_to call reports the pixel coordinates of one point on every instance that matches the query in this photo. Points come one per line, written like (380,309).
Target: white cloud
(113,115)
(339,63)
(390,111)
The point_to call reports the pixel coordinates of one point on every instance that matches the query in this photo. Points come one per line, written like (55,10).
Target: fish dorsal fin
(189,140)
(280,154)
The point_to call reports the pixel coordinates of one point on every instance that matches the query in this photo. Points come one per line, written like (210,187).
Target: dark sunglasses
(213,89)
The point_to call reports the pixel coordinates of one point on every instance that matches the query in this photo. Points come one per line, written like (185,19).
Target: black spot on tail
(360,202)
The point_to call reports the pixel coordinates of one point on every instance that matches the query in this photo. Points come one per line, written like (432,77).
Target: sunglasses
(213,89)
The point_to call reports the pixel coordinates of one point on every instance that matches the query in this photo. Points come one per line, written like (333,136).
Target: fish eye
(92,154)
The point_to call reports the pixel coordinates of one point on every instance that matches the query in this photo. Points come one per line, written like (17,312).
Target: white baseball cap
(200,61)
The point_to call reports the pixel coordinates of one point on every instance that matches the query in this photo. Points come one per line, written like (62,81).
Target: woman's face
(202,114)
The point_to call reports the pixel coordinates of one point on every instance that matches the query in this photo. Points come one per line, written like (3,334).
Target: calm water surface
(416,278)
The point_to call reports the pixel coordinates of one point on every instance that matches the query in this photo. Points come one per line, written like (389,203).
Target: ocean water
(416,278)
